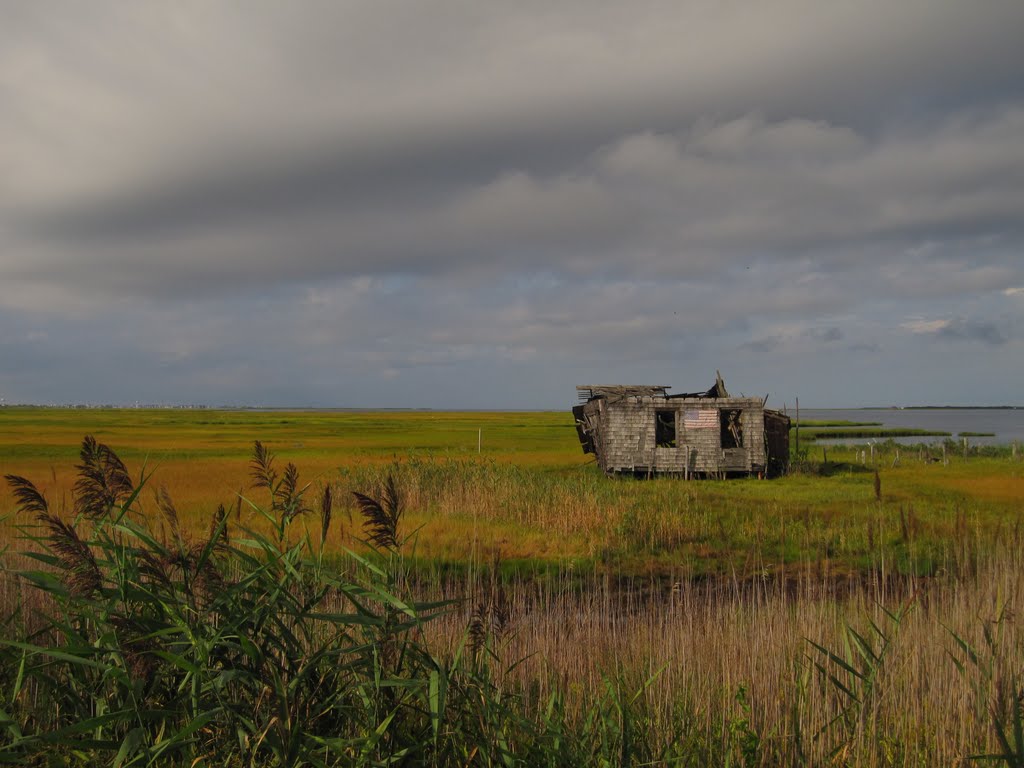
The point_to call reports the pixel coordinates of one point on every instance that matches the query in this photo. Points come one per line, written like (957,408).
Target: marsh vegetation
(436,606)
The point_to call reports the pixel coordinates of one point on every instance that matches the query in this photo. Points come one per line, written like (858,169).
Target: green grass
(858,433)
(51,433)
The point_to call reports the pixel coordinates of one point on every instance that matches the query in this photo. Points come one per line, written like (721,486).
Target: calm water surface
(1007,424)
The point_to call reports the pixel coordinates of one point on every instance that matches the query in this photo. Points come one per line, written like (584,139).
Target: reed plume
(261,467)
(74,557)
(103,479)
(219,529)
(381,516)
(169,512)
(29,498)
(326,503)
(287,494)
(492,618)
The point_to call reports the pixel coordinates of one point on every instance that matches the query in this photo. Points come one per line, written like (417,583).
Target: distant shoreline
(940,408)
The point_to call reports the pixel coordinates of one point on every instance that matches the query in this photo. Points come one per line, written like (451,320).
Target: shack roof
(587,392)
(590,391)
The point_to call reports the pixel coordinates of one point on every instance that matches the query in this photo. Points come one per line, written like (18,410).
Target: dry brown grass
(704,642)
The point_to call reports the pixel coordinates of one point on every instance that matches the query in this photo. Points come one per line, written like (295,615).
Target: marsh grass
(563,619)
(143,642)
(860,432)
(843,518)
(532,494)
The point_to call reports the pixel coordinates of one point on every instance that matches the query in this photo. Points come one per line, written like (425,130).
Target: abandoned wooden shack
(643,430)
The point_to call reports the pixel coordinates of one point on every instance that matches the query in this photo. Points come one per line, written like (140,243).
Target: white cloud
(925,326)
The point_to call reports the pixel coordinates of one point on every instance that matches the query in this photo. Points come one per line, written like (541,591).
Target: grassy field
(532,497)
(846,614)
(202,456)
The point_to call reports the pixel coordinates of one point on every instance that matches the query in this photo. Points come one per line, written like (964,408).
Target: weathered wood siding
(626,430)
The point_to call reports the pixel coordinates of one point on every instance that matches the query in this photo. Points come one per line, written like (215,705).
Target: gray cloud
(441,192)
(795,338)
(647,204)
(826,335)
(959,329)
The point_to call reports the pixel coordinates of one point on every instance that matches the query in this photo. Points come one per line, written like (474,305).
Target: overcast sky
(482,204)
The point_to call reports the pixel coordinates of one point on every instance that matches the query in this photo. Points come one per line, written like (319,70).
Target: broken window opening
(732,428)
(665,429)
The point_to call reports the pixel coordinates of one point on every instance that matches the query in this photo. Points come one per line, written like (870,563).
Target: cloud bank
(457,206)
